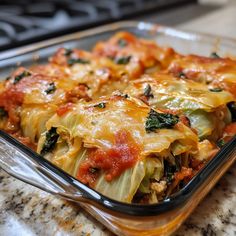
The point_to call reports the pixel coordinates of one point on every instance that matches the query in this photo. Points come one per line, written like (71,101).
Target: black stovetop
(27,21)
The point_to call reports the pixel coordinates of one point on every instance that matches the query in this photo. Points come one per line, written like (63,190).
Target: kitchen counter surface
(27,211)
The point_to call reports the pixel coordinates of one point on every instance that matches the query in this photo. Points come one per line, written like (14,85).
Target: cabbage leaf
(178,94)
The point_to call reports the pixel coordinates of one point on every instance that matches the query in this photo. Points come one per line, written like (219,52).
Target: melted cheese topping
(168,92)
(101,74)
(97,126)
(217,72)
(109,117)
(144,53)
(95,129)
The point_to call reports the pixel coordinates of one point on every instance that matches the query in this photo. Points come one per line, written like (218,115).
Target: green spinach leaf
(216,90)
(156,120)
(3,112)
(122,60)
(73,61)
(214,55)
(51,88)
(122,43)
(50,142)
(21,76)
(100,105)
(148,91)
(68,52)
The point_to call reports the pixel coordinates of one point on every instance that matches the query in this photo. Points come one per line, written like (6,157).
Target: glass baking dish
(123,219)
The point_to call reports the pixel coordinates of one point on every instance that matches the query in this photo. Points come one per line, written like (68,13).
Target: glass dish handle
(26,165)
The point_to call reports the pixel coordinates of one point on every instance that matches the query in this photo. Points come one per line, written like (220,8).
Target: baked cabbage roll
(100,73)
(133,120)
(29,97)
(206,109)
(114,143)
(143,55)
(213,71)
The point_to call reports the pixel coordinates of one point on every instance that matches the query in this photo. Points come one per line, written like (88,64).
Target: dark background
(27,21)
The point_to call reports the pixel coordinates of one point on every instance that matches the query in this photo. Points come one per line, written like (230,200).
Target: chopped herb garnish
(93,170)
(216,90)
(122,43)
(51,88)
(73,61)
(148,91)
(169,171)
(232,108)
(214,55)
(50,142)
(100,105)
(220,143)
(178,163)
(85,85)
(122,60)
(157,120)
(171,168)
(182,75)
(3,113)
(111,57)
(68,51)
(21,76)
(125,96)
(119,94)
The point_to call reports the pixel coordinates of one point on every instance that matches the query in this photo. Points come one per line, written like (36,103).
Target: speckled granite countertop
(27,211)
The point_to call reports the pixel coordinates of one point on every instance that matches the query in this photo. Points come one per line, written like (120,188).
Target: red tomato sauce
(111,48)
(184,119)
(10,99)
(230,129)
(184,173)
(77,93)
(13,96)
(25,140)
(168,111)
(61,56)
(229,132)
(63,109)
(114,161)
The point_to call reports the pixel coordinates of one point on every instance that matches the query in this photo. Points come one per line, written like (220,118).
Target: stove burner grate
(27,21)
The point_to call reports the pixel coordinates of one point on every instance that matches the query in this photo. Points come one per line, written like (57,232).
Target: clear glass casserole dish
(123,219)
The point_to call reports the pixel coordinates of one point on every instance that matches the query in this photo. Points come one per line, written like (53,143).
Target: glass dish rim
(174,201)
(170,203)
(140,25)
